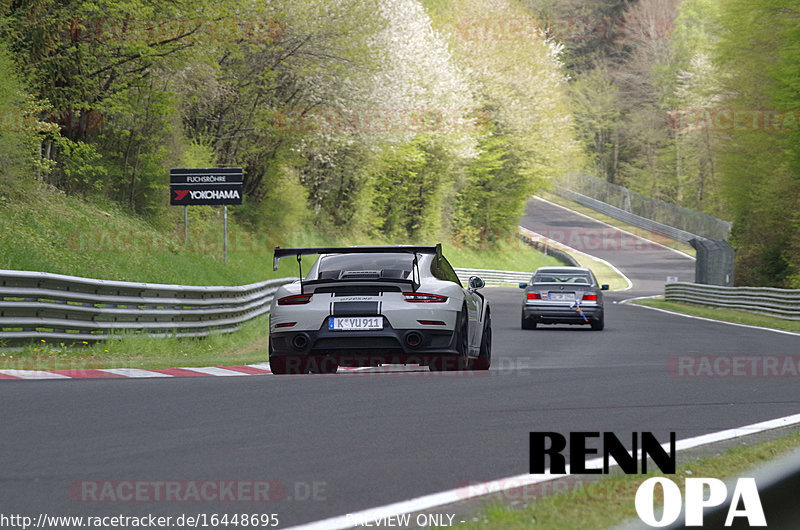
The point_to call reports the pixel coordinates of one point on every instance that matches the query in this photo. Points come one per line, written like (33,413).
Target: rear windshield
(367,266)
(562,277)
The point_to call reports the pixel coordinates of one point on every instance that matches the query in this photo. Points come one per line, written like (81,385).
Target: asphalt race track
(647,264)
(340,443)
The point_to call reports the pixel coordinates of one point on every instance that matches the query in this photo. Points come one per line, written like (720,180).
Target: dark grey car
(563,295)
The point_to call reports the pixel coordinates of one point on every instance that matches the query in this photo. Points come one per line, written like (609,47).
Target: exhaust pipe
(413,339)
(300,341)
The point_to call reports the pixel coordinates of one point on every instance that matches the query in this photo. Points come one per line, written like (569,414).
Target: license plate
(562,296)
(354,323)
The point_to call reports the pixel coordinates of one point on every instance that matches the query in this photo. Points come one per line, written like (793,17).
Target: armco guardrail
(646,207)
(493,276)
(55,306)
(627,217)
(782,303)
(546,246)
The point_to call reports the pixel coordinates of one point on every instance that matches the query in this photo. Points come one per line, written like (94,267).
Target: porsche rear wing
(299,252)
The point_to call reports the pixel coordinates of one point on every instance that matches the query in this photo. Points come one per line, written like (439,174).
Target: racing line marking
(707,319)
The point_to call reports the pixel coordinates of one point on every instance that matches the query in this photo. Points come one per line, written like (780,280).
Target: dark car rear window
(561,277)
(382,265)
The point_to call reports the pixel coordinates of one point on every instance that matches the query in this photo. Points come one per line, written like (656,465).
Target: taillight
(431,322)
(296,299)
(425,298)
(590,297)
(534,296)
(285,324)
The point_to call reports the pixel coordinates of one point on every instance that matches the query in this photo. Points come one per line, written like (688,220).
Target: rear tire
(527,323)
(278,365)
(286,364)
(599,324)
(448,363)
(484,360)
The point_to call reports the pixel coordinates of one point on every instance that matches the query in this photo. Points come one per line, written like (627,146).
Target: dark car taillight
(534,296)
(590,297)
(296,299)
(425,298)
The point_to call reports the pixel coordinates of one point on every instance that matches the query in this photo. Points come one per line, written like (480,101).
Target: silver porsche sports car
(563,295)
(367,306)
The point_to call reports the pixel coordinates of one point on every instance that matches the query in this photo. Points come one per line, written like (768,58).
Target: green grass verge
(641,232)
(610,501)
(728,315)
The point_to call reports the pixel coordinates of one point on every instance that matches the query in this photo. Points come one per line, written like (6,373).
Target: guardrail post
(714,265)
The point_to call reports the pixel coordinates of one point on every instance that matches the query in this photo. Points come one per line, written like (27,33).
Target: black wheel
(325,365)
(286,364)
(598,324)
(449,363)
(527,323)
(484,360)
(278,365)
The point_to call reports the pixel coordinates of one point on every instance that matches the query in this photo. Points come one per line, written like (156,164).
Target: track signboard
(208,186)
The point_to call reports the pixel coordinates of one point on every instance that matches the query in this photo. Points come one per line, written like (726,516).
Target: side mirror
(475,282)
(523,285)
(604,287)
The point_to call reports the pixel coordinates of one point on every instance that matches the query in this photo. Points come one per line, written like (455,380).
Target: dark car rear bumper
(560,315)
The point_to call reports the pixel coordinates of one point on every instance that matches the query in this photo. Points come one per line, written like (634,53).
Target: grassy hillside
(57,233)
(53,232)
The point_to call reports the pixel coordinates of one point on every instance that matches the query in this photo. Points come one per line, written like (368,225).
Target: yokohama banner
(210,186)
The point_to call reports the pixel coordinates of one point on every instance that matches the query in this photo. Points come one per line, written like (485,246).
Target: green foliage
(81,170)
(758,48)
(695,116)
(19,128)
(597,111)
(198,155)
(409,190)
(132,88)
(492,201)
